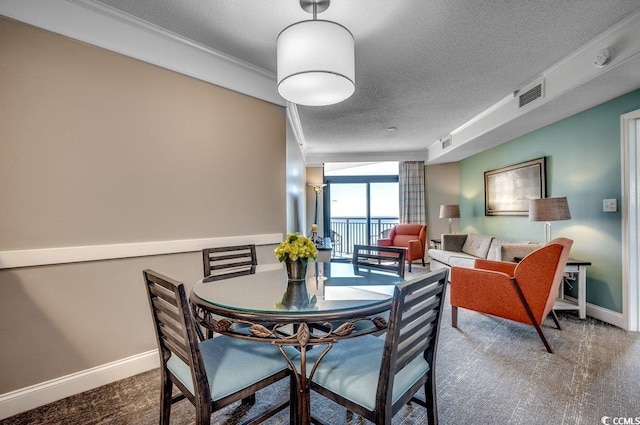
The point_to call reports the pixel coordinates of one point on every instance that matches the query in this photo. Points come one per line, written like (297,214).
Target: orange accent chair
(412,237)
(523,292)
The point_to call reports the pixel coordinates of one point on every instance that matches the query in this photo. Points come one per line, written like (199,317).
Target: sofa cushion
(440,255)
(461,260)
(452,258)
(453,241)
(495,252)
(509,252)
(477,245)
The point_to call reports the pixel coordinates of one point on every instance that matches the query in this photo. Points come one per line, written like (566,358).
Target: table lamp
(548,210)
(449,211)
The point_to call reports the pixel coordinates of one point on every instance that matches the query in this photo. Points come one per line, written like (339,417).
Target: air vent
(531,95)
(445,143)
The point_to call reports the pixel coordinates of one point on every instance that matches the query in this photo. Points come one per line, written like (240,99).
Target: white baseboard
(37,395)
(608,316)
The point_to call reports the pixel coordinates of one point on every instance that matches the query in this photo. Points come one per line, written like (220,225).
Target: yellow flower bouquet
(296,247)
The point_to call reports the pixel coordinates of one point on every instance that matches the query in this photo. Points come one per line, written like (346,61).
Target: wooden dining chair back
(375,378)
(229,261)
(378,257)
(213,373)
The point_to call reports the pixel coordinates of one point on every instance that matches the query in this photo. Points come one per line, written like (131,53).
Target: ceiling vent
(531,94)
(445,143)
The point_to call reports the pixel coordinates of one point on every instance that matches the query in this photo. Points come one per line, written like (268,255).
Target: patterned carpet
(489,371)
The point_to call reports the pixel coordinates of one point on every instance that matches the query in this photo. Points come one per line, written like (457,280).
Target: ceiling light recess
(315,60)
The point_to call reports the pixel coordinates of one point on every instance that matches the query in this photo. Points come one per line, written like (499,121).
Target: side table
(579,304)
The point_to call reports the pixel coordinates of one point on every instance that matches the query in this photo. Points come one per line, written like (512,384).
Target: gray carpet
(489,371)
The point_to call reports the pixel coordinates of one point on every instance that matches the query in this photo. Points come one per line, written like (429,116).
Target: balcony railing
(349,231)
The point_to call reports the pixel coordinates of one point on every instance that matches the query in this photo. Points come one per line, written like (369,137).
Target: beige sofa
(462,250)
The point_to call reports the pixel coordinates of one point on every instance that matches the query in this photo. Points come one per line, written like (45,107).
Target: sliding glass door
(359,210)
(384,209)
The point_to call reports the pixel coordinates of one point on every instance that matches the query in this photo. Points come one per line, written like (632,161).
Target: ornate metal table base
(291,333)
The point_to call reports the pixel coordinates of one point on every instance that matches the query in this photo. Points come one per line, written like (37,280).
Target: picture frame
(508,190)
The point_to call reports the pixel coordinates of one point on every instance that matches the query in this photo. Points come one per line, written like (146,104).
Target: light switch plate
(609,205)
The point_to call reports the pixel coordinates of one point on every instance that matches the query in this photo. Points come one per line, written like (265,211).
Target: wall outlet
(609,205)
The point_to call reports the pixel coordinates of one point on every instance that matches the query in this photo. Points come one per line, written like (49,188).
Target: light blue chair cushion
(232,364)
(352,368)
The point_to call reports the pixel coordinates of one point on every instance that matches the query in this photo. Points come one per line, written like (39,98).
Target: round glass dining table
(336,301)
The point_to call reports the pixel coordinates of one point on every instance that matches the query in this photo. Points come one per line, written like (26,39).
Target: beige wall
(97,148)
(443,187)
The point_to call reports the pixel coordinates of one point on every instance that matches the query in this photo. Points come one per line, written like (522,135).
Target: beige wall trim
(31,397)
(102,26)
(75,254)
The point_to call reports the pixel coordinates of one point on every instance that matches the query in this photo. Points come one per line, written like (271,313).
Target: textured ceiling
(422,66)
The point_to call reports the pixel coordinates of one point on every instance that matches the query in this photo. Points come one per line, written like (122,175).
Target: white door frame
(630,160)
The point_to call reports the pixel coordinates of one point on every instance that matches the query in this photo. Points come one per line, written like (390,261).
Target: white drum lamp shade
(316,63)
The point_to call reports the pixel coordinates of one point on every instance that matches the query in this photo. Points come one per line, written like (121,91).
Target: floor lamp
(548,210)
(317,188)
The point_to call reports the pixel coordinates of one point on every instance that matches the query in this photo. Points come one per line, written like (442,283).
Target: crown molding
(102,26)
(317,159)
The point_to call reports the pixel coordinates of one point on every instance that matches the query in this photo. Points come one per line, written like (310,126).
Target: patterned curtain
(411,182)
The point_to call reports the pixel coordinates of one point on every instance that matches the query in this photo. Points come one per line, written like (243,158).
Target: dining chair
(375,377)
(365,258)
(378,257)
(229,261)
(225,263)
(213,373)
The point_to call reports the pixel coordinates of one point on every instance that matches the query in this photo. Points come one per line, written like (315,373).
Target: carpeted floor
(489,371)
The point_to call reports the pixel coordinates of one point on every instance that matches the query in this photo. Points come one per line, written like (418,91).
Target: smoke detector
(603,57)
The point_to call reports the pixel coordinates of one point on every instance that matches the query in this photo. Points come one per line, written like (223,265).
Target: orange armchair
(411,237)
(523,292)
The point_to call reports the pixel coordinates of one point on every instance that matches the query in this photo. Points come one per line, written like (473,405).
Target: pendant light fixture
(315,60)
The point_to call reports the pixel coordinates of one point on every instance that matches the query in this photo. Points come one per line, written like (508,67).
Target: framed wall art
(507,190)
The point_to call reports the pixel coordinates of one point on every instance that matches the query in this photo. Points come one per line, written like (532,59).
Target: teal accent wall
(583,164)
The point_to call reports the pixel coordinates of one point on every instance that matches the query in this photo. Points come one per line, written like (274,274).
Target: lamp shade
(549,209)
(316,63)
(449,211)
